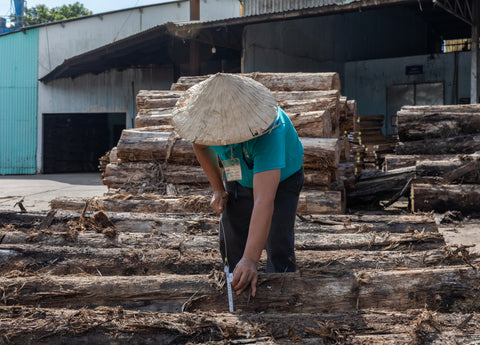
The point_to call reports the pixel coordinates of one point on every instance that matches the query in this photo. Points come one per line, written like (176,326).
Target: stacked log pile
(152,159)
(441,142)
(369,144)
(135,278)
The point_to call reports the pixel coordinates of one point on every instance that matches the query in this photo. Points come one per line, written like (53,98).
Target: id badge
(233,169)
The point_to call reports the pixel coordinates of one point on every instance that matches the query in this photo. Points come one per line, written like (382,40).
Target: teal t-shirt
(278,149)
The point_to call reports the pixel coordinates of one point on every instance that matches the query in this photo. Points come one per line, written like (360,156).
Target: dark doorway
(75,142)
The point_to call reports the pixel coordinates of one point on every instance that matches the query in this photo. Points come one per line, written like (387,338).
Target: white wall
(112,91)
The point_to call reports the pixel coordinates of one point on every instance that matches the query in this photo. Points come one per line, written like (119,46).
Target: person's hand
(245,274)
(219,199)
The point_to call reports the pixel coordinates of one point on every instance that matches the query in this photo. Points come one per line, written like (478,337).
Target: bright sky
(96,6)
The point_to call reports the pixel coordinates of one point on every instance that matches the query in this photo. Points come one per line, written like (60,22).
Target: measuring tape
(229,277)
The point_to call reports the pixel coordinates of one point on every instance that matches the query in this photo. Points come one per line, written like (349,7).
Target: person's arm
(264,190)
(208,160)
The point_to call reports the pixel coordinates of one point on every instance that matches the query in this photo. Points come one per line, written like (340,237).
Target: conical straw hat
(224,109)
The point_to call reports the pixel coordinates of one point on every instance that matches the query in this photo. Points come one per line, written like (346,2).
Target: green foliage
(42,14)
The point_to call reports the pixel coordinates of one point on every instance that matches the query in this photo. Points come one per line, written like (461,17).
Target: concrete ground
(38,190)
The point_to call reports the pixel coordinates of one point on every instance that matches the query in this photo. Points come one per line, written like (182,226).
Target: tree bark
(277,81)
(443,198)
(452,145)
(147,145)
(314,201)
(115,325)
(423,122)
(396,290)
(67,260)
(208,223)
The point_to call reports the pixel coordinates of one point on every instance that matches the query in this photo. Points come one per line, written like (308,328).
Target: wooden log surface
(75,236)
(277,81)
(147,145)
(315,124)
(402,161)
(452,145)
(414,126)
(448,289)
(450,170)
(422,122)
(443,198)
(65,260)
(312,202)
(191,223)
(133,327)
(382,183)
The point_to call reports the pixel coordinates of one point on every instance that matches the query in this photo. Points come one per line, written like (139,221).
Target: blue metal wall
(18,102)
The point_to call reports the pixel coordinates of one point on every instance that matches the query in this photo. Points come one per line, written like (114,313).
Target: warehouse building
(388,53)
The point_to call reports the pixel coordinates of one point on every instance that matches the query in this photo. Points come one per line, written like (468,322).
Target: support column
(474,54)
(194,45)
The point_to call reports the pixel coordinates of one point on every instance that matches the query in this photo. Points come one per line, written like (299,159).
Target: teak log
(188,242)
(148,99)
(115,325)
(208,223)
(321,202)
(315,124)
(450,170)
(402,161)
(422,122)
(380,183)
(147,145)
(443,198)
(441,289)
(451,145)
(152,174)
(55,260)
(277,81)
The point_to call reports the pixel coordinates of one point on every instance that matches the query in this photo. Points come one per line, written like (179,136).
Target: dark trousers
(235,222)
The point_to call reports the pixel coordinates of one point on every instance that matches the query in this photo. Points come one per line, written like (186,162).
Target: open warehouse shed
(387,53)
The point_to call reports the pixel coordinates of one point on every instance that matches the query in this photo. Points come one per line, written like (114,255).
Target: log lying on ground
(277,81)
(134,327)
(59,326)
(447,289)
(187,242)
(147,145)
(208,223)
(443,198)
(312,202)
(54,260)
(450,145)
(422,122)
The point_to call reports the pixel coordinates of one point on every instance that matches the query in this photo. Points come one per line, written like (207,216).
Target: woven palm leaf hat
(224,109)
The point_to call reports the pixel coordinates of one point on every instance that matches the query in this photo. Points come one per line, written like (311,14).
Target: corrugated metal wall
(256,7)
(18,102)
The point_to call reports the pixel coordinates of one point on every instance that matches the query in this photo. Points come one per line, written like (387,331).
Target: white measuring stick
(229,277)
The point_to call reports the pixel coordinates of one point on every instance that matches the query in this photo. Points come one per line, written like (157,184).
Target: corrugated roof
(257,7)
